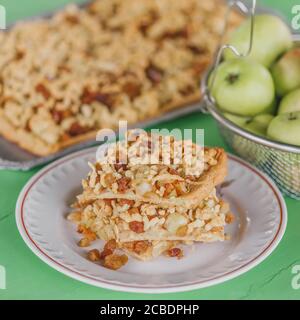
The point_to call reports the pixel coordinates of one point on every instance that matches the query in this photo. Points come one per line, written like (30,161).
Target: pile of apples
(261,92)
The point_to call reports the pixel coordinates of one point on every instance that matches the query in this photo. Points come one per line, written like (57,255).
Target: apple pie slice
(183,173)
(128,220)
(146,208)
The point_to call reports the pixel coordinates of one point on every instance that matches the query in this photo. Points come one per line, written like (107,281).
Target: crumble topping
(121,219)
(151,165)
(85,69)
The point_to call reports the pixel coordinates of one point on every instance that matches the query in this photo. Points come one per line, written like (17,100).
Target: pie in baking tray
(84,69)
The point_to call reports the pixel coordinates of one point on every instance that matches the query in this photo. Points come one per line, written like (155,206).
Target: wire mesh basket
(279,161)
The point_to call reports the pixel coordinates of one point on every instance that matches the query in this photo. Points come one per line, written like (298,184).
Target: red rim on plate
(163,288)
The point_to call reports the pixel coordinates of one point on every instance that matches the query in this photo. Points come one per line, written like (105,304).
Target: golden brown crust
(176,47)
(37,146)
(213,177)
(25,139)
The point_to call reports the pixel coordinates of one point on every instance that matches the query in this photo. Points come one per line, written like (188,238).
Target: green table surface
(30,278)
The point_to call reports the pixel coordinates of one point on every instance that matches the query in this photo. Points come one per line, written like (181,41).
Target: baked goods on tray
(147,209)
(84,69)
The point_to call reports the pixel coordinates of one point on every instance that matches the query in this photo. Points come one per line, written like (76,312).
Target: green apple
(259,124)
(238,120)
(272,108)
(242,87)
(263,119)
(290,102)
(285,128)
(271,38)
(286,72)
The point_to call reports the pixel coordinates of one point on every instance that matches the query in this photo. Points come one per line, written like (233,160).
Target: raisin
(122,202)
(94,255)
(72,19)
(132,89)
(88,97)
(168,189)
(197,50)
(154,74)
(111,245)
(134,210)
(136,226)
(105,253)
(175,252)
(114,261)
(123,184)
(141,246)
(76,129)
(119,166)
(41,88)
(57,116)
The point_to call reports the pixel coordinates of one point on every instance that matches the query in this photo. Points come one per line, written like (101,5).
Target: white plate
(255,200)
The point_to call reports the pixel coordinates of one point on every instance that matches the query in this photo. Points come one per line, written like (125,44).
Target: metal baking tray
(15,158)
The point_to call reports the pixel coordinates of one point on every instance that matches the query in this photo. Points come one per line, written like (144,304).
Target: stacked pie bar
(163,196)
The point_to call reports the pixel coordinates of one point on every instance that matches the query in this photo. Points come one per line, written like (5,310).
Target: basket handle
(249,11)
